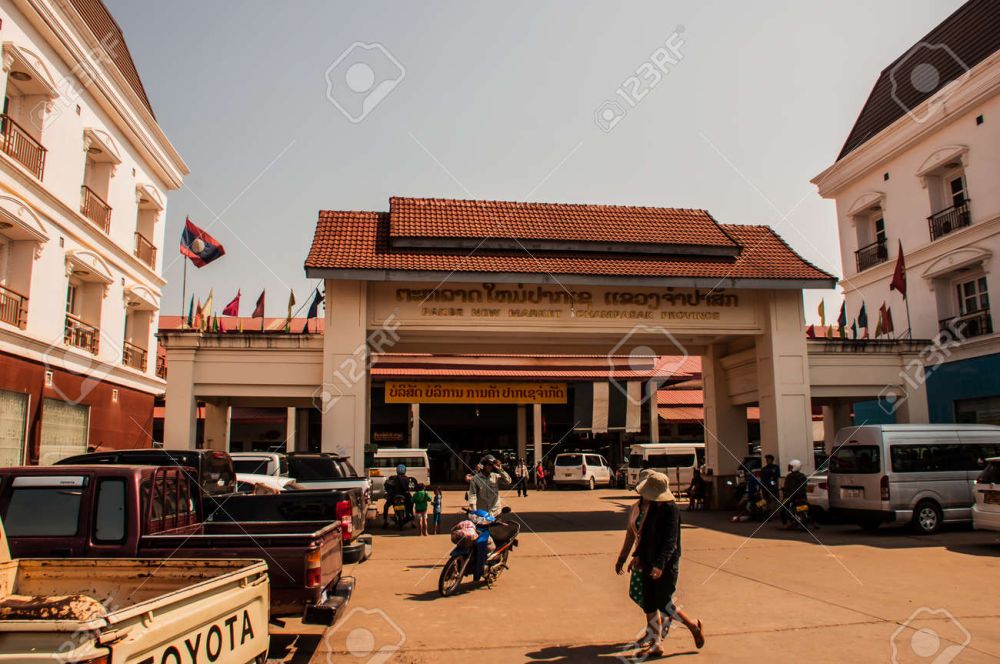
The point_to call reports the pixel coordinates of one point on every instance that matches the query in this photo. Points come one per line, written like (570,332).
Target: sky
(283,109)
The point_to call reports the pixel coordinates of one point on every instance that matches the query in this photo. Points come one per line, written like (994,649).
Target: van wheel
(927,517)
(591,484)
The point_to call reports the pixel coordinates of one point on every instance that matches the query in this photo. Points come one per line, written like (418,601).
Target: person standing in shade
(521,474)
(657,556)
(770,476)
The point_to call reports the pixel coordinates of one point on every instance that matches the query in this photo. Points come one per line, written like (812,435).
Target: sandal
(699,637)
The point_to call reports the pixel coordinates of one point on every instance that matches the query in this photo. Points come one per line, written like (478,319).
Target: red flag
(898,282)
(887,322)
(233,308)
(258,311)
(811,332)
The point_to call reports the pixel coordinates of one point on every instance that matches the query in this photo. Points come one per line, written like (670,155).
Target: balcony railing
(94,208)
(973,324)
(871,255)
(944,222)
(133,356)
(13,307)
(161,367)
(145,250)
(19,144)
(81,335)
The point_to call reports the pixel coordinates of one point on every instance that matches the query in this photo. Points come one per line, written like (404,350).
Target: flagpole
(909,330)
(184,281)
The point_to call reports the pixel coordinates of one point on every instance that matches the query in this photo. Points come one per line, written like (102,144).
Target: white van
(920,474)
(676,460)
(587,469)
(384,464)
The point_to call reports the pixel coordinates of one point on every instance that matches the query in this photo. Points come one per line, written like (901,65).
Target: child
(420,500)
(437,503)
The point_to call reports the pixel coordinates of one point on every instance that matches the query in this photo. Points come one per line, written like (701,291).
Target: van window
(671,460)
(109,518)
(928,458)
(393,461)
(635,460)
(569,460)
(856,459)
(991,475)
(250,466)
(43,512)
(593,460)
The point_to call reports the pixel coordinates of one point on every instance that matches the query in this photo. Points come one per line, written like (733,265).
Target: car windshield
(250,466)
(991,474)
(635,460)
(857,460)
(347,468)
(43,511)
(569,460)
(318,468)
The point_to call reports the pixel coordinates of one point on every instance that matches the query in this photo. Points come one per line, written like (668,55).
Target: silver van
(920,474)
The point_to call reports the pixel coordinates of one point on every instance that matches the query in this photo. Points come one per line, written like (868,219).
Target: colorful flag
(198,315)
(291,303)
(811,332)
(878,323)
(233,308)
(199,246)
(842,320)
(887,325)
(822,312)
(898,282)
(190,316)
(863,316)
(258,311)
(314,307)
(854,329)
(209,304)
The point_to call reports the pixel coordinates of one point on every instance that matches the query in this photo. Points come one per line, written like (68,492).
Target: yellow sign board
(468,392)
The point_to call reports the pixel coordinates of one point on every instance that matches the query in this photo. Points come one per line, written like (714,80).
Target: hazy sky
(498,101)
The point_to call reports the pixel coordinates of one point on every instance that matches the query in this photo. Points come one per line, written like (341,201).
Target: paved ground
(778,597)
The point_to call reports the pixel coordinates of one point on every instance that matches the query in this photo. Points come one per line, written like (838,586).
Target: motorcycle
(462,559)
(399,515)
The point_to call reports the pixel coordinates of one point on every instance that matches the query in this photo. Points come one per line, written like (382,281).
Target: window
(991,474)
(879,230)
(100,164)
(872,239)
(385,462)
(109,518)
(856,460)
(973,296)
(326,468)
(569,460)
(985,410)
(64,430)
(48,511)
(929,458)
(26,105)
(13,423)
(671,460)
(956,189)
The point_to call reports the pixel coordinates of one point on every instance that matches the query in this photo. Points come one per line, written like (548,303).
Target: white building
(84,171)
(921,167)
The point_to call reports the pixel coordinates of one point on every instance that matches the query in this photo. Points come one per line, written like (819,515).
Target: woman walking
(657,556)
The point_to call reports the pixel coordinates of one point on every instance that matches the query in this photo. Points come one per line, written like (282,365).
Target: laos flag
(199,246)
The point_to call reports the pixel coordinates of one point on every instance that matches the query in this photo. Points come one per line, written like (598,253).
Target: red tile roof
(359,242)
(450,218)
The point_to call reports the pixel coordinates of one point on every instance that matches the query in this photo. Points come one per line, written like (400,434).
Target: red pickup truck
(114,511)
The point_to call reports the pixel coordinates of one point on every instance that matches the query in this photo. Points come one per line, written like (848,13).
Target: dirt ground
(847,595)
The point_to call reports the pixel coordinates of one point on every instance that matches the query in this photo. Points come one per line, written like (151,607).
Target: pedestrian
(421,499)
(521,473)
(770,476)
(657,557)
(484,486)
(696,491)
(539,477)
(438,505)
(794,493)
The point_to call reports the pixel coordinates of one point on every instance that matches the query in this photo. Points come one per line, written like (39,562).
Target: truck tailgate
(153,611)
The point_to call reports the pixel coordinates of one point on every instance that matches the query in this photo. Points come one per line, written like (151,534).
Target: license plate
(801,508)
(991,497)
(852,492)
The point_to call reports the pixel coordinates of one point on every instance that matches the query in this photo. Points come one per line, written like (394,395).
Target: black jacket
(660,538)
(795,486)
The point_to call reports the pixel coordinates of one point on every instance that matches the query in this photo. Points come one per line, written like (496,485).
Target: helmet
(794,465)
(401,469)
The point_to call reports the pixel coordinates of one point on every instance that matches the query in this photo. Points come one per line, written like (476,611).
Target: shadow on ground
(598,653)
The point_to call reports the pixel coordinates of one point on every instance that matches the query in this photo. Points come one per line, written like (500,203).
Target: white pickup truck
(124,611)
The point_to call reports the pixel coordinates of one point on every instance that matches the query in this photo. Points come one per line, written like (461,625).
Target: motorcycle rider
(398,485)
(794,493)
(484,486)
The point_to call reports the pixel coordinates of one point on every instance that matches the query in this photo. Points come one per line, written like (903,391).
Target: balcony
(133,356)
(871,255)
(81,335)
(21,146)
(94,208)
(973,324)
(161,367)
(944,222)
(145,250)
(13,307)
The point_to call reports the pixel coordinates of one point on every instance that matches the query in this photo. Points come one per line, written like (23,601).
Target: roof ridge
(434,199)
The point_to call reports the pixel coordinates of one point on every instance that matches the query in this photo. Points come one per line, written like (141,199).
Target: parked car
(818,493)
(986,510)
(78,610)
(587,469)
(249,483)
(383,464)
(676,460)
(918,474)
(112,511)
(214,469)
(274,464)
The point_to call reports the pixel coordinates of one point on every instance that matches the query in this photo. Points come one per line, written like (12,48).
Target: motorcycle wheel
(452,574)
(499,566)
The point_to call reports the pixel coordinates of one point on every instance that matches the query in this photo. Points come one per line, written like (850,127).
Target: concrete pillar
(654,411)
(537,430)
(343,397)
(180,425)
(725,424)
(783,381)
(301,442)
(522,431)
(217,425)
(836,416)
(912,407)
(414,425)
(291,427)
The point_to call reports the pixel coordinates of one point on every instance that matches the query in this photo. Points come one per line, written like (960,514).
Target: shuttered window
(13,420)
(64,430)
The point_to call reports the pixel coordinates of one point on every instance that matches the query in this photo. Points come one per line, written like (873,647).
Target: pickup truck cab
(105,612)
(214,469)
(109,511)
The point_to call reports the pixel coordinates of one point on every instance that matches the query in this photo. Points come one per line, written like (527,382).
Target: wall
(965,379)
